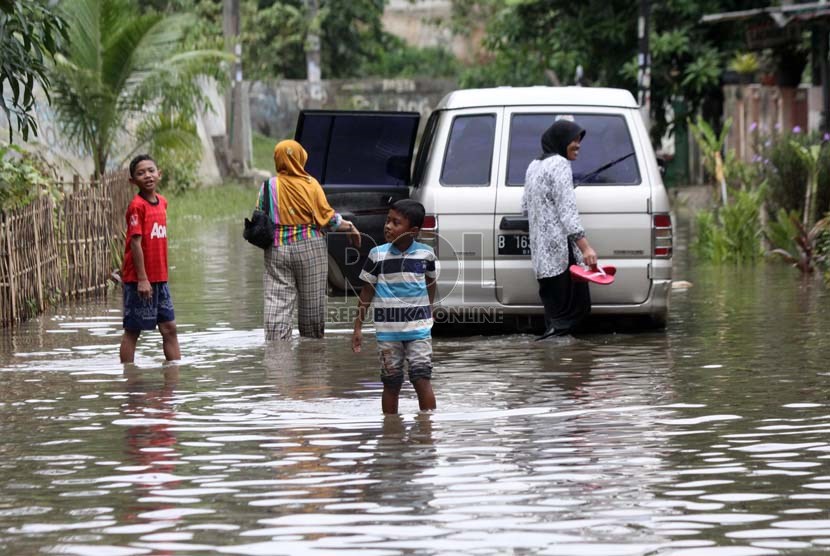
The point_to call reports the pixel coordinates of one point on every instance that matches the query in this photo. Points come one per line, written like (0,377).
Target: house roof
(781,15)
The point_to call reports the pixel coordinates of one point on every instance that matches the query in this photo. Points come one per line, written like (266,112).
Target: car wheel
(337,280)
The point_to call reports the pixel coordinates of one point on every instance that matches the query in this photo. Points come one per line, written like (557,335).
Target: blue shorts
(145,314)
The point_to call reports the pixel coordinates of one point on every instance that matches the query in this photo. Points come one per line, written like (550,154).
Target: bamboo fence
(53,250)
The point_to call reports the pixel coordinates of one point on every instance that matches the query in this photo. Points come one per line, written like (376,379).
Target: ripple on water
(606,444)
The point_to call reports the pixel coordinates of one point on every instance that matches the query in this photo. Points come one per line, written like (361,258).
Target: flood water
(711,438)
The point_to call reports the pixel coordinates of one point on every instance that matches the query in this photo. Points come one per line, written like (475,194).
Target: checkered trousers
(296,274)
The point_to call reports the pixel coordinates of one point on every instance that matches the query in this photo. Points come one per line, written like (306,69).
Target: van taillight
(429,232)
(661,236)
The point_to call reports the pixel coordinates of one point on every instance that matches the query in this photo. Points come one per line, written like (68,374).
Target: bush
(23,177)
(394,58)
(179,170)
(786,173)
(731,233)
(805,249)
(823,251)
(176,147)
(823,193)
(783,165)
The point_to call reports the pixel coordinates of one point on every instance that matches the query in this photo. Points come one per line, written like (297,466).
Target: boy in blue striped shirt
(400,277)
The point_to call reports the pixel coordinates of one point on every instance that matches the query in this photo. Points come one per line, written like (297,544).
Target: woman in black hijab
(558,137)
(557,238)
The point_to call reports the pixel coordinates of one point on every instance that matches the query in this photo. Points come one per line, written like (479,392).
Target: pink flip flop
(602,275)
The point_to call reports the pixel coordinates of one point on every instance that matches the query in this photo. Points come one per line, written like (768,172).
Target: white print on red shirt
(158,231)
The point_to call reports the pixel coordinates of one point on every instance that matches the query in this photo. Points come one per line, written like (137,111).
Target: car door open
(363,161)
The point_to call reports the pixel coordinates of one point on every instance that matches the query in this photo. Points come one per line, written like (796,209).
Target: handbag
(259,229)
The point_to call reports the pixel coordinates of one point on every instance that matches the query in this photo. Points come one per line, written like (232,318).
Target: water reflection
(149,441)
(710,438)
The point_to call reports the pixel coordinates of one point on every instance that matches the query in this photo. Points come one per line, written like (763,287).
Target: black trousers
(566,302)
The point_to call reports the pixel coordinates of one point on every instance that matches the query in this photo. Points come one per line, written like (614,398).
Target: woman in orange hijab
(296,266)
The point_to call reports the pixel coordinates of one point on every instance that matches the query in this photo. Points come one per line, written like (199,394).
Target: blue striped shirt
(401,304)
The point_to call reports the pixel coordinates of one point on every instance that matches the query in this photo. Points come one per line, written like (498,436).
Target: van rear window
(358,148)
(607,156)
(469,151)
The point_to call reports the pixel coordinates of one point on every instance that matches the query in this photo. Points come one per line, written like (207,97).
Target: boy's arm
(367,293)
(431,278)
(144,288)
(431,291)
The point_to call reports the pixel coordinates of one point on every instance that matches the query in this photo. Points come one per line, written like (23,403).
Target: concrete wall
(275,106)
(71,158)
(68,156)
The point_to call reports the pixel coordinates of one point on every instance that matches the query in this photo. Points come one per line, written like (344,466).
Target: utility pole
(644,63)
(237,110)
(312,56)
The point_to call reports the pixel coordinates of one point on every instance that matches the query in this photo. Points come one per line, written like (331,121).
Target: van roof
(526,96)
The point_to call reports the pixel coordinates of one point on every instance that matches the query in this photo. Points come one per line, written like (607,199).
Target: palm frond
(123,67)
(121,57)
(786,255)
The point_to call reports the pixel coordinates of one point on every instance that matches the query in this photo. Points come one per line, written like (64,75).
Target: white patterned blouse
(549,201)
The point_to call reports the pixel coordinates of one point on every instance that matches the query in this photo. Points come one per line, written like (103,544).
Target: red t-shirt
(149,221)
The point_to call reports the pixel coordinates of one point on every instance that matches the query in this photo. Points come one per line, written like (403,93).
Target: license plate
(514,244)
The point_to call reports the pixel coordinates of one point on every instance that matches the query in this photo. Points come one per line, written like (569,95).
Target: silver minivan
(469,175)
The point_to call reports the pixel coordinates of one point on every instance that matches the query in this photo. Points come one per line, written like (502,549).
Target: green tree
(351,32)
(30,34)
(274,32)
(529,41)
(123,67)
(394,58)
(273,39)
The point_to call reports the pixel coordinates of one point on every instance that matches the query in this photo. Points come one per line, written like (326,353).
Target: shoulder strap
(264,198)
(276,208)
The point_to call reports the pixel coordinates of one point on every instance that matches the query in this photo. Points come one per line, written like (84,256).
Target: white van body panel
(617,218)
(464,216)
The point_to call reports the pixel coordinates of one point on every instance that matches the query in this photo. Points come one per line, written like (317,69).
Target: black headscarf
(558,136)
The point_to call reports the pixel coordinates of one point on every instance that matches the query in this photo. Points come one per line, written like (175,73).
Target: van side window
(606,157)
(469,151)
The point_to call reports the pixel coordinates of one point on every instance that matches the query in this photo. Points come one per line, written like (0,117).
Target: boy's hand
(357,339)
(145,290)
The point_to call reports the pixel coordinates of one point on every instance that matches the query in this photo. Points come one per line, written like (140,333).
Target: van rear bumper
(656,305)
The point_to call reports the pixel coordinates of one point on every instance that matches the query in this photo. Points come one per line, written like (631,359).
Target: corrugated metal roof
(782,15)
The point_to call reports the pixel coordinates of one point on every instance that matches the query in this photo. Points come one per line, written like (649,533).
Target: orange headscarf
(301,199)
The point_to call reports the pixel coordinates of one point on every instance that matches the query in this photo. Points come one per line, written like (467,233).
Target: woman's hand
(590,256)
(351,229)
(588,253)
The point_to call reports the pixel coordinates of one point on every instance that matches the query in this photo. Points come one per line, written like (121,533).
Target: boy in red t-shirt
(147,301)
